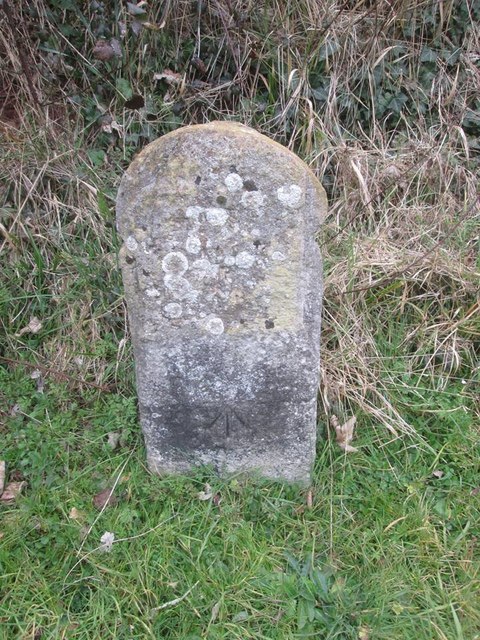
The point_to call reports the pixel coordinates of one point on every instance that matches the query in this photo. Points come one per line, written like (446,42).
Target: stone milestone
(223,285)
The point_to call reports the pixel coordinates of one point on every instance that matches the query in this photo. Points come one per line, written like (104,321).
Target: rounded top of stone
(245,137)
(218,225)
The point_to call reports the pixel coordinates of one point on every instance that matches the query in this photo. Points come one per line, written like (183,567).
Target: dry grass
(402,237)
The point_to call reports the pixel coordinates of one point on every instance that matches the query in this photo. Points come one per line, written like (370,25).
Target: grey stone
(223,286)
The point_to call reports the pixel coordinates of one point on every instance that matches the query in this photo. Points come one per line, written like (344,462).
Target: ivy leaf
(124,88)
(135,9)
(428,55)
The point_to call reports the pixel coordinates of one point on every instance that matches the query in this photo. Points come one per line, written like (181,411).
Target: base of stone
(280,466)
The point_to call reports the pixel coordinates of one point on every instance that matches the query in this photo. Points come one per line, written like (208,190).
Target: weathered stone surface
(223,286)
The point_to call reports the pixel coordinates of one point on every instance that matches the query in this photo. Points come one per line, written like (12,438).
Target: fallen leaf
(217,498)
(241,616)
(363,633)
(105,498)
(116,46)
(438,473)
(75,514)
(2,476)
(113,439)
(12,491)
(199,65)
(33,326)
(14,410)
(171,77)
(103,51)
(137,27)
(136,102)
(344,433)
(136,9)
(215,610)
(37,375)
(107,541)
(16,475)
(152,26)
(205,495)
(309,499)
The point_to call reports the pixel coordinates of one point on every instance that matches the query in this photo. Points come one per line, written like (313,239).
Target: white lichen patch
(193,212)
(253,200)
(175,262)
(178,286)
(152,292)
(233,182)
(172,310)
(216,216)
(244,260)
(131,243)
(193,245)
(203,268)
(192,295)
(278,256)
(229,261)
(214,326)
(291,196)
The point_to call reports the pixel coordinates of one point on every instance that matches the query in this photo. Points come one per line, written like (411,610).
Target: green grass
(385,549)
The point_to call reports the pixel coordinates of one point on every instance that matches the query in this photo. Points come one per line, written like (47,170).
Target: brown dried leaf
(344,433)
(363,633)
(135,102)
(171,77)
(309,499)
(33,326)
(12,491)
(215,611)
(205,495)
(152,26)
(37,375)
(75,514)
(105,498)
(199,65)
(103,51)
(14,410)
(113,439)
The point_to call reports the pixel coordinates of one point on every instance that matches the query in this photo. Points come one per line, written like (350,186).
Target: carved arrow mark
(228,422)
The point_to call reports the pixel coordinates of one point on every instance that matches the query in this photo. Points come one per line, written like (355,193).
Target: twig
(172,603)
